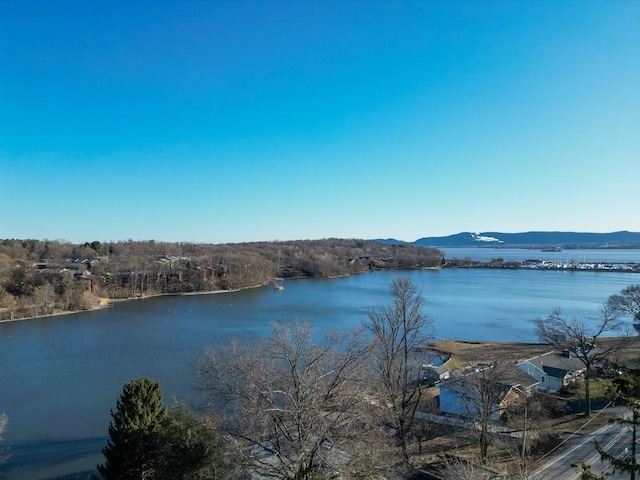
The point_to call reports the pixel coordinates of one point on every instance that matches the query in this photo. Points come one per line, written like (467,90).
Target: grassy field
(466,353)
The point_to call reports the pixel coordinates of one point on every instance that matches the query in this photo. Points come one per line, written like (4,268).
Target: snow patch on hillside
(483,238)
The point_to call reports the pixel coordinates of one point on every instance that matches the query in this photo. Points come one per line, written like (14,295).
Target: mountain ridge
(557,239)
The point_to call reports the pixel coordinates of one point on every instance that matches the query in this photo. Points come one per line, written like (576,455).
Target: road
(580,448)
(614,437)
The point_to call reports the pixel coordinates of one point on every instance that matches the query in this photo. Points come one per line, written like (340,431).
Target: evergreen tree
(584,470)
(133,446)
(627,388)
(191,448)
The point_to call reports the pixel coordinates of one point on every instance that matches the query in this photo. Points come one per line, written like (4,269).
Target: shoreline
(105,302)
(108,302)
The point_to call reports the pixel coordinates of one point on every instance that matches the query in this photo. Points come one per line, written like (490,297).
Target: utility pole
(633,441)
(524,434)
(524,428)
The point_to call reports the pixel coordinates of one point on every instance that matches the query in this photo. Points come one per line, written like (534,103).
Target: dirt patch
(466,353)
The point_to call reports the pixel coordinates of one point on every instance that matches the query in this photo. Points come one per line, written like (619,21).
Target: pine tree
(191,448)
(584,470)
(627,388)
(133,446)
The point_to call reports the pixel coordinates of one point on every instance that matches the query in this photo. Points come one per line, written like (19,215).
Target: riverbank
(471,265)
(470,352)
(104,302)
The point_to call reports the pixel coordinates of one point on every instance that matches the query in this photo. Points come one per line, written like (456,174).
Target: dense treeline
(47,277)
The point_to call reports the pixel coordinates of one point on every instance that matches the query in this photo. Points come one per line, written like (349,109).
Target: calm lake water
(61,376)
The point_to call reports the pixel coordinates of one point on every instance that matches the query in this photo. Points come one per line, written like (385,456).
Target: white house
(553,370)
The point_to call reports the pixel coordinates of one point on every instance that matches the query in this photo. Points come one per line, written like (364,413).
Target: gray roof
(513,377)
(555,372)
(556,364)
(522,379)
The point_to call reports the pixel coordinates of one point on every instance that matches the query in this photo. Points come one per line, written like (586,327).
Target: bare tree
(532,415)
(627,302)
(292,407)
(8,305)
(455,468)
(43,298)
(480,395)
(580,337)
(397,331)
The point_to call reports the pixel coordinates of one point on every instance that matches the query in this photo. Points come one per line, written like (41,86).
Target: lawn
(598,389)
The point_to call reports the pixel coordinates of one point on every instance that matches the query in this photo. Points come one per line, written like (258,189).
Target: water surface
(61,375)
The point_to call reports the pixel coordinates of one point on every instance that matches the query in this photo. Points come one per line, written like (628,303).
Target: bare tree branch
(627,302)
(397,332)
(580,337)
(294,409)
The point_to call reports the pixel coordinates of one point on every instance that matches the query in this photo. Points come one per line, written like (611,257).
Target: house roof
(522,379)
(431,358)
(513,377)
(555,372)
(556,364)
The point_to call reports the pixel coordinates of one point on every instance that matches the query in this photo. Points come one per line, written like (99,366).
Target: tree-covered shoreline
(41,277)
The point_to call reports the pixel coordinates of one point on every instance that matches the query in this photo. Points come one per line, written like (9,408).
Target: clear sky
(230,121)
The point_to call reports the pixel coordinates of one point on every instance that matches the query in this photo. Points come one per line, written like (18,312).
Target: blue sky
(230,121)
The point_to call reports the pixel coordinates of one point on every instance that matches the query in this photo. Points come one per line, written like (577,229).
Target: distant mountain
(535,239)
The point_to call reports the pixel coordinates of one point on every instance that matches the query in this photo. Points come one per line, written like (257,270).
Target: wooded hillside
(47,277)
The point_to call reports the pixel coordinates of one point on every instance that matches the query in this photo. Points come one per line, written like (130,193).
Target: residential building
(463,396)
(554,370)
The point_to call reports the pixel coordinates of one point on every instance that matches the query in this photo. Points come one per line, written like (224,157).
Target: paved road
(615,438)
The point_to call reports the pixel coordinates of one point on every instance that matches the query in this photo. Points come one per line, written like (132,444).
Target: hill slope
(622,239)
